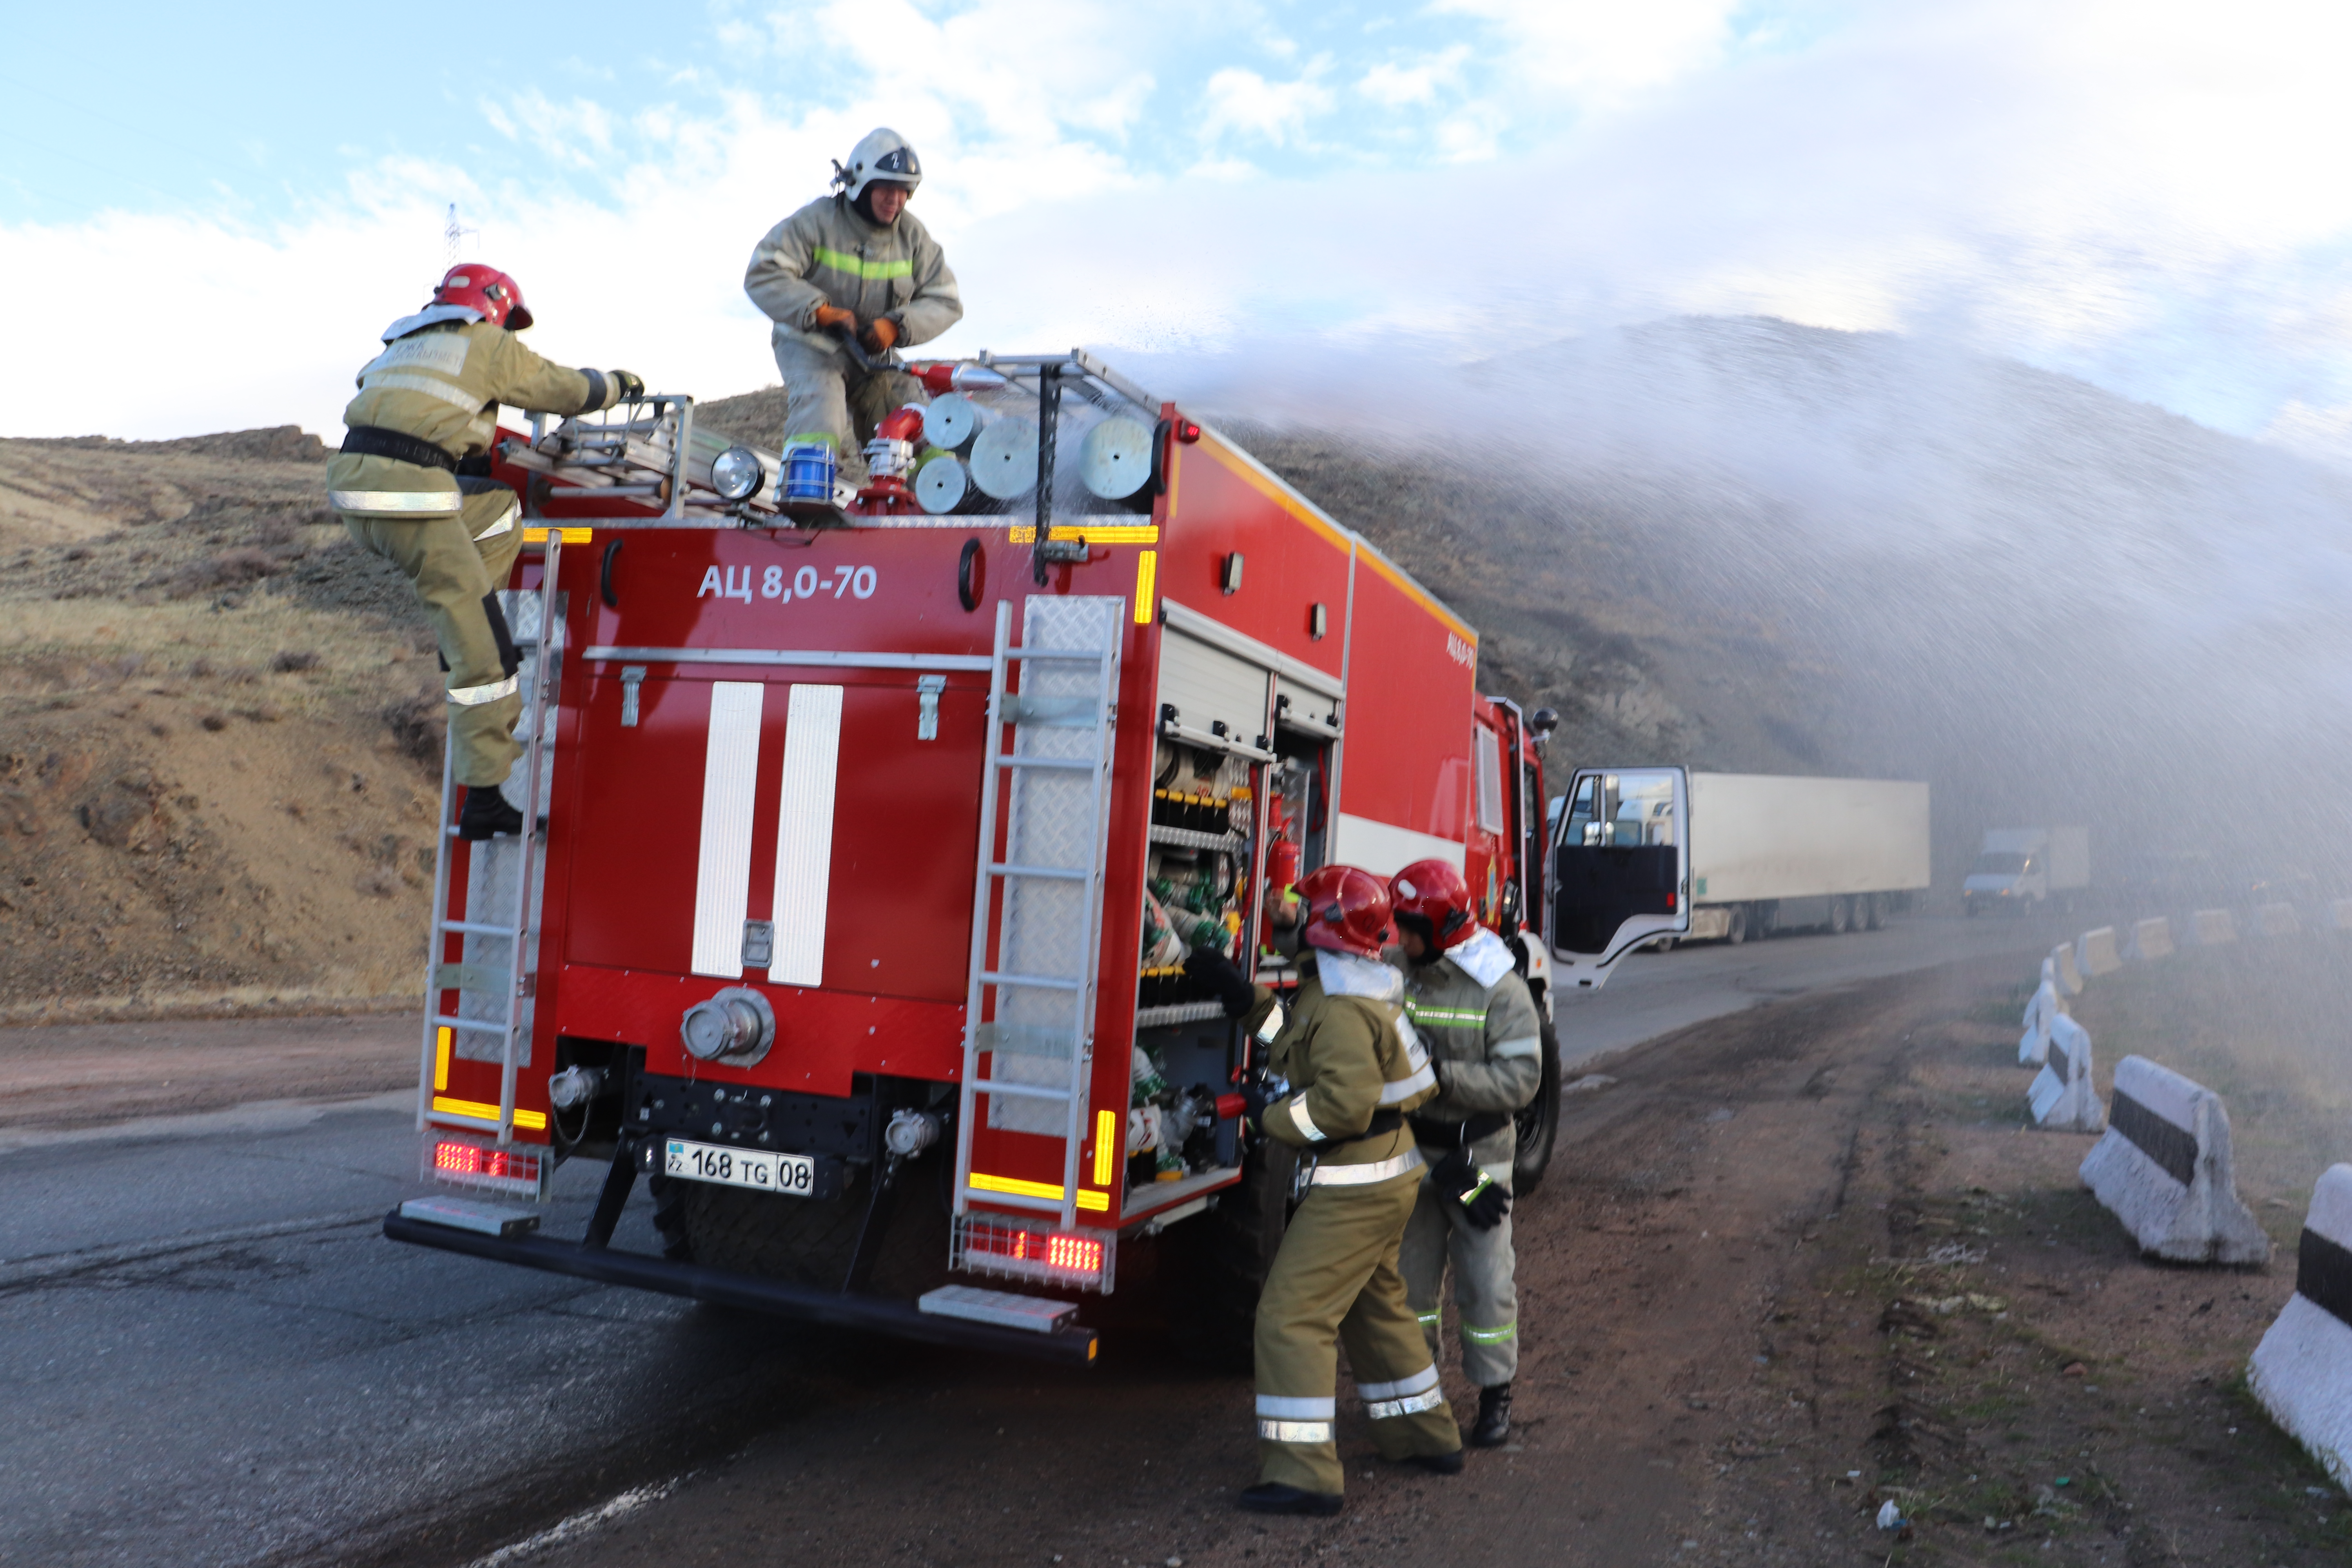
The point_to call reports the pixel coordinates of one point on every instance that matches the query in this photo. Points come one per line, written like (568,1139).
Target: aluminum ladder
(512,983)
(1038,966)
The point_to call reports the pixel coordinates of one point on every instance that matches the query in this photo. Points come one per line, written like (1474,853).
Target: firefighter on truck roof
(1342,1071)
(404,486)
(1471,1008)
(854,262)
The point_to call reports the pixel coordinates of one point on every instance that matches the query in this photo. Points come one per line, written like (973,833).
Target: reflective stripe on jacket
(1345,1060)
(1486,1042)
(443,383)
(828,253)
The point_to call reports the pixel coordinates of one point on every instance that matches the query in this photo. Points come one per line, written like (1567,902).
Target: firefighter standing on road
(856,261)
(1478,1020)
(1342,1073)
(428,402)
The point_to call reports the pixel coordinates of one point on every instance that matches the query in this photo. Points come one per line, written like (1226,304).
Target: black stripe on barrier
(2323,1271)
(2174,1148)
(2061,1063)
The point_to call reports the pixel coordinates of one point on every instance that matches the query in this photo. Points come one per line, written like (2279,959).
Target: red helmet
(1433,903)
(1347,911)
(485,289)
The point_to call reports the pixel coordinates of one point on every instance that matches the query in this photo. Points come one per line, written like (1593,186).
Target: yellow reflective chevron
(858,266)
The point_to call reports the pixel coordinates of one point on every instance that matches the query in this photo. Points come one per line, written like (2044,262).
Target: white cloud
(1396,86)
(1600,49)
(1243,103)
(2128,192)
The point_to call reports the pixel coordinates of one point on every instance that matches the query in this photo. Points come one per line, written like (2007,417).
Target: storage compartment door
(1212,692)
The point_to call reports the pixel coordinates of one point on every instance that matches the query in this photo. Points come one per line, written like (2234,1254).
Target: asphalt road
(1653,993)
(209,1354)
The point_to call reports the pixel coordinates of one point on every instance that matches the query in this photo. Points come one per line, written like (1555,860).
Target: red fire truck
(872,837)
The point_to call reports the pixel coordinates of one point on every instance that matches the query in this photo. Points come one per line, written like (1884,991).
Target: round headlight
(737,474)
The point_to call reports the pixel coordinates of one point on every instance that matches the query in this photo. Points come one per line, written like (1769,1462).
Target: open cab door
(1620,868)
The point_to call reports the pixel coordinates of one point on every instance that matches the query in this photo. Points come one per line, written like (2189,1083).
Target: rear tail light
(1081,1259)
(463,1162)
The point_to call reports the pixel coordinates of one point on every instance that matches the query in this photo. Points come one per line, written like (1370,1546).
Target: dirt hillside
(215,717)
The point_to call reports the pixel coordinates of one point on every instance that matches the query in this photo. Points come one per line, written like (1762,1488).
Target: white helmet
(880,154)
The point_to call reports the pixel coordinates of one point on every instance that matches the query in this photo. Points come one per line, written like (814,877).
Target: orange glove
(880,335)
(828,317)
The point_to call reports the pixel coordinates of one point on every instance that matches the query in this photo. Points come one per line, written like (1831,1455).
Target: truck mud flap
(1074,1346)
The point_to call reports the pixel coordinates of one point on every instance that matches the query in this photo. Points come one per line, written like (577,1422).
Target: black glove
(1484,1202)
(1221,978)
(1256,1095)
(632,384)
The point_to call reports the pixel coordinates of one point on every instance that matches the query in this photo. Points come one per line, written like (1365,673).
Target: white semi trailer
(2019,870)
(1645,854)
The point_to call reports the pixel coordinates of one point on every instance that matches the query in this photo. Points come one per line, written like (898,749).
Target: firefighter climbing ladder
(1040,963)
(505,987)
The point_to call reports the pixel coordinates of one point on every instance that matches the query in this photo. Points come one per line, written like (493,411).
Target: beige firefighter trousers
(1335,1279)
(823,394)
(453,563)
(1486,1293)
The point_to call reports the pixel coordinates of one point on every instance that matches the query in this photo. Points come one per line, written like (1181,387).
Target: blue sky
(2144,194)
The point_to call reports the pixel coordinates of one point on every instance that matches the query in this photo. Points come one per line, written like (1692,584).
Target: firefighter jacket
(442,381)
(1485,1038)
(1349,1057)
(827,253)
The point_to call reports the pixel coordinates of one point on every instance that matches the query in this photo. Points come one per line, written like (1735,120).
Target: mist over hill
(1746,544)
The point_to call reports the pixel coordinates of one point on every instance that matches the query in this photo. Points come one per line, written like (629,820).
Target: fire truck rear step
(465,1213)
(1072,1344)
(1003,1308)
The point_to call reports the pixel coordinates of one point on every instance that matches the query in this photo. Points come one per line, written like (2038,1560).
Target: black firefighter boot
(1273,1497)
(1494,1424)
(486,814)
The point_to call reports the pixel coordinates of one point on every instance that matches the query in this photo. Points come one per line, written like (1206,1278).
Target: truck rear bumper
(1074,1346)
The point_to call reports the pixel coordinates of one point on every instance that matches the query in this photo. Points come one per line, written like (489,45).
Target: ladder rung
(1061,655)
(1066,764)
(1056,873)
(472,1025)
(1039,982)
(474,928)
(1034,1090)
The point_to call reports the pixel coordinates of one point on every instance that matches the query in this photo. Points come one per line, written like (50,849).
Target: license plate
(793,1174)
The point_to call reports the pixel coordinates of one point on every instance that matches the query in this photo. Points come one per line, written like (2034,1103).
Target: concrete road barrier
(2061,1098)
(2163,1170)
(2033,1045)
(2152,939)
(2096,952)
(2277,920)
(2216,928)
(2301,1372)
(2069,973)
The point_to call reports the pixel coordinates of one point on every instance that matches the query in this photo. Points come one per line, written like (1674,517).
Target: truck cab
(2011,881)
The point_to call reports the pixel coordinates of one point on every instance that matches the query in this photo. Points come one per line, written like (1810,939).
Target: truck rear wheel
(1539,1124)
(1223,1257)
(1736,931)
(1841,917)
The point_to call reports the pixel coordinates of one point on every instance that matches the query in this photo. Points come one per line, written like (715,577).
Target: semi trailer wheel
(1841,917)
(1220,1259)
(1539,1123)
(1737,932)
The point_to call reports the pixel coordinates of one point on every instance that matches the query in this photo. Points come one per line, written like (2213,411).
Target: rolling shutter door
(1207,685)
